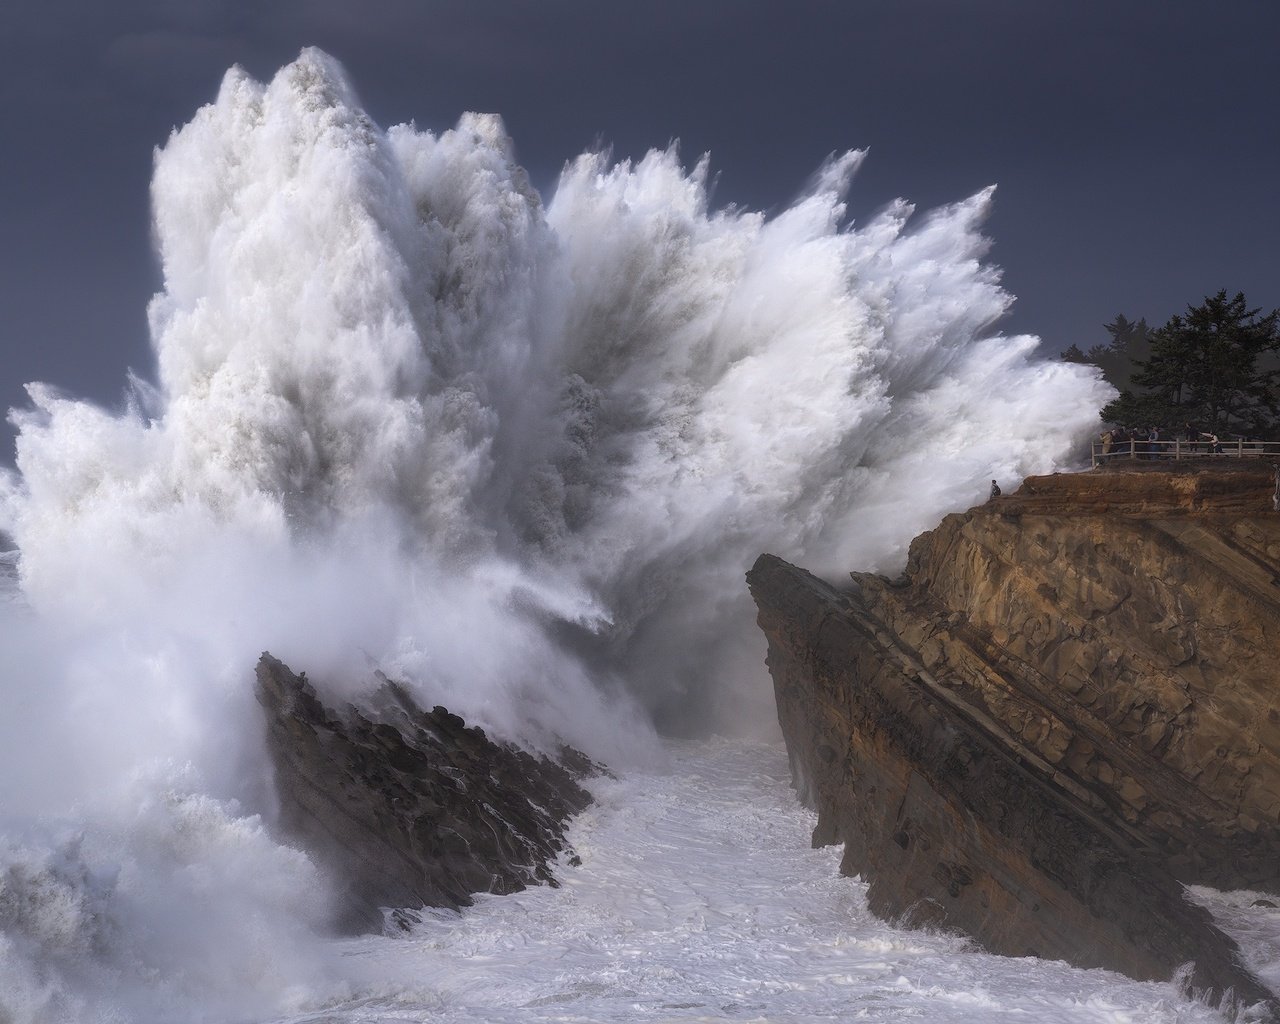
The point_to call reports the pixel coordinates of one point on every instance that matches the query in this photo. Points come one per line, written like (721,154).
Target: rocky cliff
(406,808)
(1063,709)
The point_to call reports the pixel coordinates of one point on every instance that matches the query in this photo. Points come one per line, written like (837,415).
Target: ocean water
(409,415)
(700,899)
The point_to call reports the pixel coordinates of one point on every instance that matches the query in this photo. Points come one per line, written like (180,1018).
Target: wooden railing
(1157,450)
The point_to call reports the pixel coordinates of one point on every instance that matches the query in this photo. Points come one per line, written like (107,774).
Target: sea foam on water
(407,417)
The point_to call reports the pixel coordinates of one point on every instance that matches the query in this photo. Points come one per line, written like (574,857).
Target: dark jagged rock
(1055,715)
(406,808)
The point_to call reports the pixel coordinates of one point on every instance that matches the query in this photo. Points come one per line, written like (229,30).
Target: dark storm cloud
(1133,143)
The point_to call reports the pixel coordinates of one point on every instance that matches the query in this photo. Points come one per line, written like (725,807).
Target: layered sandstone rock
(1063,707)
(406,808)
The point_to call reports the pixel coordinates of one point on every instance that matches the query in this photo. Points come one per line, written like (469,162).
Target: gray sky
(1136,145)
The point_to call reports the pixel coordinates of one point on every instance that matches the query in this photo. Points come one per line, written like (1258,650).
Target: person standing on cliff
(1120,440)
(995,488)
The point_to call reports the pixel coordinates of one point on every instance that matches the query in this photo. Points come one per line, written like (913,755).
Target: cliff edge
(1061,711)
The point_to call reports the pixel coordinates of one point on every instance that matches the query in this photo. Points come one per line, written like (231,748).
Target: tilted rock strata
(1061,705)
(406,808)
(1137,652)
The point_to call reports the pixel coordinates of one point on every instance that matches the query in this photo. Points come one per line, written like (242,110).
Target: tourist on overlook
(1139,439)
(1154,447)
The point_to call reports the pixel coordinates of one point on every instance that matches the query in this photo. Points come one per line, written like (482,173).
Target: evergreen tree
(1208,368)
(1129,345)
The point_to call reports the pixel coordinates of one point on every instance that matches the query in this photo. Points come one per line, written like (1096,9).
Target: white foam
(406,416)
(699,898)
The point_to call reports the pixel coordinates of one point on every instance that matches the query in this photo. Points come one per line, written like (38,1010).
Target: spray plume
(517,455)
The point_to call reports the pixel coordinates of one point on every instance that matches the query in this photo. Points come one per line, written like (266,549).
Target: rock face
(406,808)
(1061,711)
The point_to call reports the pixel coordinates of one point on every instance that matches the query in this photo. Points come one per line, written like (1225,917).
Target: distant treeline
(1216,367)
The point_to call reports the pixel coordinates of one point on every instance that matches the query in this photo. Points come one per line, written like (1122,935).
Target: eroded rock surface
(406,808)
(1064,707)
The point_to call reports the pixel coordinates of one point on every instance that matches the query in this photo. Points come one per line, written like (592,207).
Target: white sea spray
(407,417)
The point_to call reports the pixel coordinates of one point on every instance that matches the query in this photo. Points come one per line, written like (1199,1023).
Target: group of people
(1156,442)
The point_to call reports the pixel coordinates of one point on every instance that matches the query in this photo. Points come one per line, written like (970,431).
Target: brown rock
(1150,631)
(406,808)
(1058,712)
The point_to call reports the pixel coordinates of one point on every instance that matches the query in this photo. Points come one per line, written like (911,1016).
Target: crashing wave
(517,455)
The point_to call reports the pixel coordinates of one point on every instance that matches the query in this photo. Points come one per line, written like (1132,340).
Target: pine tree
(1207,368)
(1117,359)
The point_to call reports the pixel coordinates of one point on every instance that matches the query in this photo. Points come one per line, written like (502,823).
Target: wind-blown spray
(405,416)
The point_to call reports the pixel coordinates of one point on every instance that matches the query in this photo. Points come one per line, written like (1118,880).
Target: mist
(408,417)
